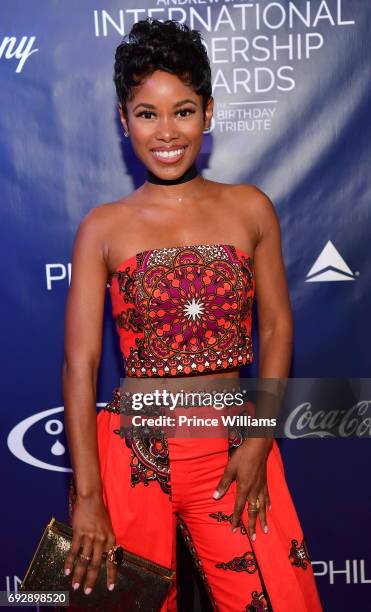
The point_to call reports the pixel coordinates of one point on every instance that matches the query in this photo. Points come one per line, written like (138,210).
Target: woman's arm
(275,326)
(275,321)
(83,340)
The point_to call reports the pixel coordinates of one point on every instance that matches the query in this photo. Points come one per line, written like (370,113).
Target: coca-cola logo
(306,422)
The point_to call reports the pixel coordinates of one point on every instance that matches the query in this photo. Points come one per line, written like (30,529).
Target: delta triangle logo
(329,266)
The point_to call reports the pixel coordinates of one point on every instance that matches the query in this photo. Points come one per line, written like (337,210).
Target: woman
(183,258)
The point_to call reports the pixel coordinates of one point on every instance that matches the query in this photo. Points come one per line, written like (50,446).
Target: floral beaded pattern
(149,453)
(244,563)
(184,310)
(149,460)
(299,556)
(222,517)
(258,603)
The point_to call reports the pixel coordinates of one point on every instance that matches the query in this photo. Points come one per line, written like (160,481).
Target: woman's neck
(188,175)
(184,188)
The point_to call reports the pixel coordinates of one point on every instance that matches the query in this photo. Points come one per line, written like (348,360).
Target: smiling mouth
(169,156)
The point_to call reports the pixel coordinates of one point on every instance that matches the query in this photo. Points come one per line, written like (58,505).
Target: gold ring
(255,504)
(86,557)
(116,555)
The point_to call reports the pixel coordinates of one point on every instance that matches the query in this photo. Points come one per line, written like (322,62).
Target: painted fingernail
(75,585)
(265,529)
(253,537)
(234,529)
(88,590)
(216,495)
(111,586)
(67,571)
(270,507)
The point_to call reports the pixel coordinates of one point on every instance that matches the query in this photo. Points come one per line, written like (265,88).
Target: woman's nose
(166,128)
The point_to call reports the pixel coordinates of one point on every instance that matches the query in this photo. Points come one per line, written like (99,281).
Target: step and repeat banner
(292,104)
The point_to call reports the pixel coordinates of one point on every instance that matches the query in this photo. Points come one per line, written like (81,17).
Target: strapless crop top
(184,310)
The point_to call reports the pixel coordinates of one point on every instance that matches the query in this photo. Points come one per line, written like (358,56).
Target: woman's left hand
(248,466)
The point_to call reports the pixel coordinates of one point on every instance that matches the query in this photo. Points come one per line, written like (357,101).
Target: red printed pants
(152,486)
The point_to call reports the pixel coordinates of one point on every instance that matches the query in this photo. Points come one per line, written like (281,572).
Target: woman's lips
(171,156)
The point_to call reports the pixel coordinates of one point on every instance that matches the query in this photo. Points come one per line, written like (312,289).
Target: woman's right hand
(92,532)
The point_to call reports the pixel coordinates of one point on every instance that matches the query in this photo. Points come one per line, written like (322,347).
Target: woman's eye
(183,111)
(186,110)
(144,113)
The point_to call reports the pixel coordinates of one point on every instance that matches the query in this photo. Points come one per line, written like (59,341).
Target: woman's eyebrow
(185,101)
(148,105)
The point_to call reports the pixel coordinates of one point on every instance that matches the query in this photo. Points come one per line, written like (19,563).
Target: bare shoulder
(247,194)
(100,222)
(254,202)
(107,213)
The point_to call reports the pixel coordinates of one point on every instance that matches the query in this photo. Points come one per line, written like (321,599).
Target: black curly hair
(155,45)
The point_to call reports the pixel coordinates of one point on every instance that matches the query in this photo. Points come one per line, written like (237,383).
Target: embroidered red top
(184,310)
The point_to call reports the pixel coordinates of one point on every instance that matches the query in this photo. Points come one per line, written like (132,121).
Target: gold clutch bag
(140,584)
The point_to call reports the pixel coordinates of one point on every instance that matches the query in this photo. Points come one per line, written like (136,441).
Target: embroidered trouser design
(225,560)
(151,489)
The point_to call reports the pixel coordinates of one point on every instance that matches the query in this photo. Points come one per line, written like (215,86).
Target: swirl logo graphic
(27,430)
(28,437)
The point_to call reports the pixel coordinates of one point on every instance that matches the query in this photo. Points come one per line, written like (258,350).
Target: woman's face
(165,121)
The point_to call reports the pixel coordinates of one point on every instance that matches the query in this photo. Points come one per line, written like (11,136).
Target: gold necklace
(181,198)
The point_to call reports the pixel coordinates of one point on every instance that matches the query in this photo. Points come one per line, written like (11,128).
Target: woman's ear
(208,115)
(123,118)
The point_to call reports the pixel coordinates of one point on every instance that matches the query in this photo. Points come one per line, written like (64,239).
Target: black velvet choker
(188,175)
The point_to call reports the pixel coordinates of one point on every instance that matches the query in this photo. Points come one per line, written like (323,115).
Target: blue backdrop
(292,99)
